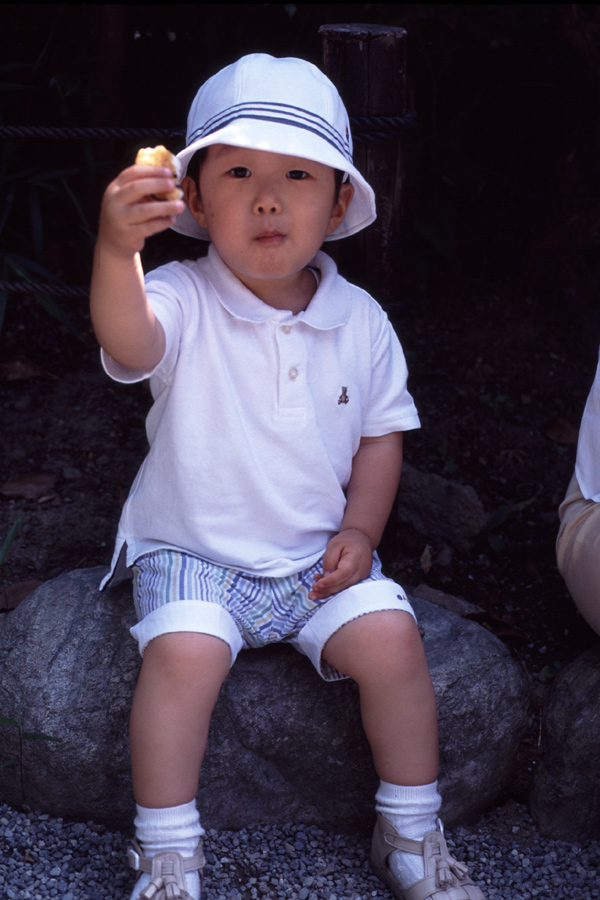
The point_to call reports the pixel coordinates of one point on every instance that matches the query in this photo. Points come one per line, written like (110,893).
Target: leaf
(26,269)
(8,541)
(33,736)
(29,487)
(16,593)
(498,517)
(6,721)
(19,368)
(10,762)
(426,559)
(496,542)
(561,431)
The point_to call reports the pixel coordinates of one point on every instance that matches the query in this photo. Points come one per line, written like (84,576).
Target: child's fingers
(129,192)
(329,583)
(149,209)
(124,228)
(333,554)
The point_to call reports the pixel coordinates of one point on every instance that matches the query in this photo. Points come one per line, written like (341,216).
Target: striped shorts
(174,591)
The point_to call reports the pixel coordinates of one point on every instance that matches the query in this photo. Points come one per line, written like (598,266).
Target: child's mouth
(269,237)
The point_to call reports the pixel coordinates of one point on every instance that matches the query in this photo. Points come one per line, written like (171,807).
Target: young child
(275,453)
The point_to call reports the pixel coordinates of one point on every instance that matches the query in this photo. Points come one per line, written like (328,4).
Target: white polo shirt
(257,416)
(587,465)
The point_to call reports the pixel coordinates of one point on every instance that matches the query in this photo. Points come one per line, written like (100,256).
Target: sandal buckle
(133,858)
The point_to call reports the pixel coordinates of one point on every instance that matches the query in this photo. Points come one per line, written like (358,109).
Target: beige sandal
(168,870)
(445,877)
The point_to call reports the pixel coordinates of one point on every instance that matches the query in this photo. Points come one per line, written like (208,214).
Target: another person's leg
(578,552)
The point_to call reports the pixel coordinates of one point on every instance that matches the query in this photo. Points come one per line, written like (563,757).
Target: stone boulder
(439,509)
(565,800)
(283,745)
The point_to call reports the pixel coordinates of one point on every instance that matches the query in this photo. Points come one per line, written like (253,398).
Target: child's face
(267,214)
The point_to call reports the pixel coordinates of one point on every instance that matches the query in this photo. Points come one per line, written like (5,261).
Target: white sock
(413,812)
(175,828)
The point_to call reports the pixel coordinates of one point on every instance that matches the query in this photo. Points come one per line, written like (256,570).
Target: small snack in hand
(160,156)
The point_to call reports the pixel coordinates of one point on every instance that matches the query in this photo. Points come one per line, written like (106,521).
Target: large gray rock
(565,801)
(284,745)
(437,508)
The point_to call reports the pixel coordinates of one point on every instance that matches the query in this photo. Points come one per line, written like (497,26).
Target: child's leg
(177,689)
(178,686)
(384,654)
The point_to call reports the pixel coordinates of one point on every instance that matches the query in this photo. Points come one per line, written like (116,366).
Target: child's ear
(192,197)
(340,207)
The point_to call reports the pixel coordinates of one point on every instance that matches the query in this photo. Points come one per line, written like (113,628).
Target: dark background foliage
(503,179)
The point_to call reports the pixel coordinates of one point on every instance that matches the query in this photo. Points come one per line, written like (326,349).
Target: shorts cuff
(356,601)
(199,616)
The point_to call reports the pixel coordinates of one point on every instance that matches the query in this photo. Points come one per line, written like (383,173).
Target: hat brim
(274,137)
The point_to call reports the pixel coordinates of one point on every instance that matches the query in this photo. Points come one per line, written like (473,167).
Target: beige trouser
(578,552)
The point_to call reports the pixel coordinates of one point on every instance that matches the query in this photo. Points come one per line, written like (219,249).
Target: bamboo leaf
(6,208)
(4,720)
(8,542)
(33,736)
(36,220)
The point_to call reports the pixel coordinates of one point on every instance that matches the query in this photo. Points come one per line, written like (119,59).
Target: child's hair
(195,166)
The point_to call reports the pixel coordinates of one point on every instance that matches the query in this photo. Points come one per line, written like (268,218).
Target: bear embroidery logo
(344,398)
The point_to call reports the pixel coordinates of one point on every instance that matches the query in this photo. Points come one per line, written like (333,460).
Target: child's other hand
(129,214)
(347,560)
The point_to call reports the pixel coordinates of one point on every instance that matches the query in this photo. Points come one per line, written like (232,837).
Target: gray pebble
(48,859)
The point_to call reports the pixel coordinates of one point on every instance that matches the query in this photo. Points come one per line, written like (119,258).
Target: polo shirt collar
(329,308)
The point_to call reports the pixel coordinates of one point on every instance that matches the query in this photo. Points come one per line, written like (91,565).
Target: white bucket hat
(283,106)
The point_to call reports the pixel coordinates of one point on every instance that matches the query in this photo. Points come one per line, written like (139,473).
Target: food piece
(160,156)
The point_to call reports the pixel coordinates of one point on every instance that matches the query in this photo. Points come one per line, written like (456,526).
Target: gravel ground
(42,857)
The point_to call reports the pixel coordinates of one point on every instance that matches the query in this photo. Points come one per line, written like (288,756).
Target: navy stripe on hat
(279,113)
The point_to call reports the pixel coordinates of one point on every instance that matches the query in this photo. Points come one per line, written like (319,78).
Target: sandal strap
(167,870)
(141,863)
(445,877)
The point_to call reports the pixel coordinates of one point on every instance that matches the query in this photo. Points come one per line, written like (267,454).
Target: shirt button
(293,373)
(286,329)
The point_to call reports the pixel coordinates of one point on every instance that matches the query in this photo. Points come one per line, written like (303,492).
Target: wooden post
(367,64)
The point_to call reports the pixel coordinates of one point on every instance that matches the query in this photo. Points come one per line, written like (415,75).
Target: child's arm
(370,495)
(122,317)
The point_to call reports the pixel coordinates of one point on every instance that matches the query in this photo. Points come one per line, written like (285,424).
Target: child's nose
(267,200)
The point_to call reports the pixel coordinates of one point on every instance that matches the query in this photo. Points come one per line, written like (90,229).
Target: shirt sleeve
(391,407)
(587,465)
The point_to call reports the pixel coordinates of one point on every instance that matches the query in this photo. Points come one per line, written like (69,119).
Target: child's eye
(240,172)
(297,174)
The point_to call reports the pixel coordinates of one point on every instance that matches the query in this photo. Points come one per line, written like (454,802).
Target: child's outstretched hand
(347,560)
(129,214)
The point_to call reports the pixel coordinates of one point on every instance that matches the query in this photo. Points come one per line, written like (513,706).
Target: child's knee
(375,643)
(396,638)
(188,655)
(390,628)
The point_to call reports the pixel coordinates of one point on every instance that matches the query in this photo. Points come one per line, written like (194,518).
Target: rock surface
(437,508)
(565,801)
(284,745)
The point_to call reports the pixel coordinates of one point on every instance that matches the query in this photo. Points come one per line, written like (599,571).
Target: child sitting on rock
(275,452)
